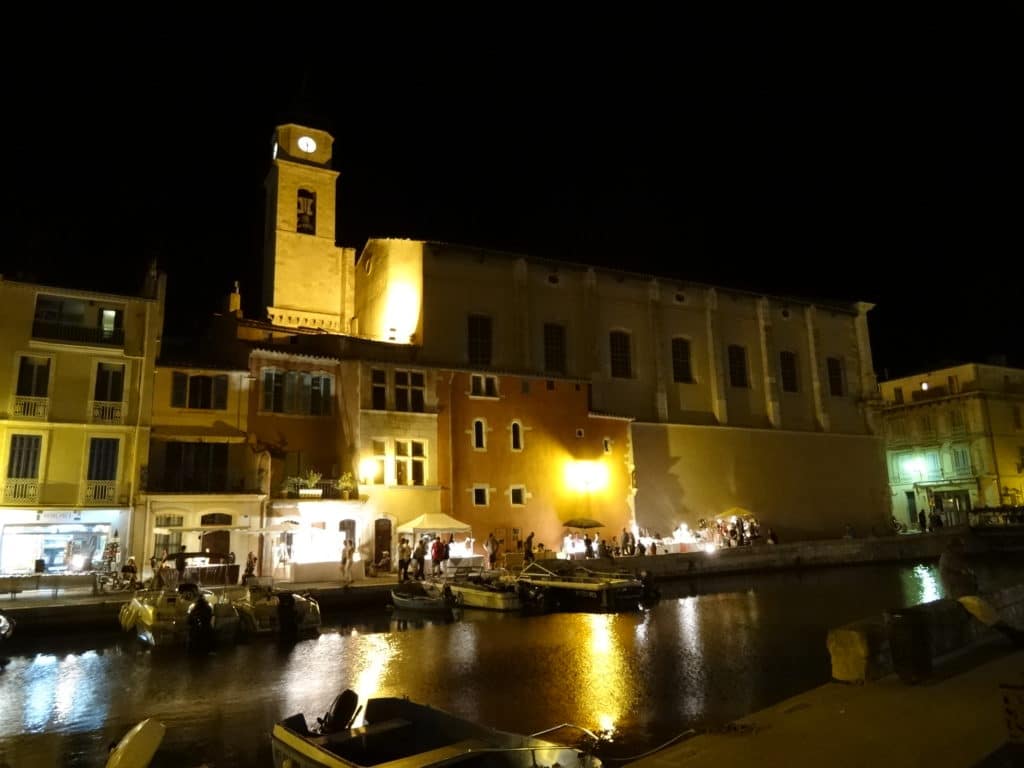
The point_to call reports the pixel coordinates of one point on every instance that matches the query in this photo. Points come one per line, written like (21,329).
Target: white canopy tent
(434,522)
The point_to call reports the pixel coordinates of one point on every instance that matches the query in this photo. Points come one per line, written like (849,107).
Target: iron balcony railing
(30,407)
(78,334)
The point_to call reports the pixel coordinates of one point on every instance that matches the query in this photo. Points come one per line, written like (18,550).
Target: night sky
(800,170)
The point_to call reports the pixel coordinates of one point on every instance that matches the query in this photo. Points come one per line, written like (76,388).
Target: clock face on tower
(306,144)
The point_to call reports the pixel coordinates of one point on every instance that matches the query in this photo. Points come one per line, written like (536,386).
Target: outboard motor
(200,626)
(342,713)
(287,618)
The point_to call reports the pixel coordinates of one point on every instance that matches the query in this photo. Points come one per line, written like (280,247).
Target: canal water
(709,652)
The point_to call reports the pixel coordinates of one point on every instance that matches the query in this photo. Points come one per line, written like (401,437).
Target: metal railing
(106,412)
(80,334)
(100,491)
(30,407)
(21,489)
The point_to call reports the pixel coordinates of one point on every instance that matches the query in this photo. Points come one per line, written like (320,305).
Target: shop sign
(70,516)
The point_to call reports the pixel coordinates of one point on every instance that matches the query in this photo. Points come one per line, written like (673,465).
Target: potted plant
(309,484)
(347,485)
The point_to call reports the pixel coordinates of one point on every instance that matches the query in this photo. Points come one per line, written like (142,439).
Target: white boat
(262,610)
(398,733)
(563,585)
(415,596)
(472,587)
(162,617)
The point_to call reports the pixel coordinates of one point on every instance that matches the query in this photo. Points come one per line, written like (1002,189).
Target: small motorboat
(137,747)
(165,617)
(414,596)
(262,610)
(472,588)
(400,732)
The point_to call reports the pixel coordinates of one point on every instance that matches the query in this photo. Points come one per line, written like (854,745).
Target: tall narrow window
(897,394)
(787,371)
(33,376)
(102,459)
(479,435)
(379,390)
(23,462)
(621,355)
(109,383)
(682,370)
(554,348)
(836,377)
(305,218)
(479,340)
(517,436)
(738,366)
(379,458)
(179,389)
(320,395)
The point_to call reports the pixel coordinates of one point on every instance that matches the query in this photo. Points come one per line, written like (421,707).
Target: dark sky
(819,169)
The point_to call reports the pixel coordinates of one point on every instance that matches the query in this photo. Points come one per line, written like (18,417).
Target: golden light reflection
(929,586)
(371,664)
(605,671)
(586,476)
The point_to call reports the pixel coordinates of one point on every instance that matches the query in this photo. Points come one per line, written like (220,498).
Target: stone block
(860,651)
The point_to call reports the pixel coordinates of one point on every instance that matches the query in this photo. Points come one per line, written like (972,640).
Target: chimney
(234,303)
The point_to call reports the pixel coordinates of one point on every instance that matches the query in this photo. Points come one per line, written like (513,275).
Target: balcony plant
(347,485)
(308,484)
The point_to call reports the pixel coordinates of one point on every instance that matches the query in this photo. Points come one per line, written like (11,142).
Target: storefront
(62,541)
(303,539)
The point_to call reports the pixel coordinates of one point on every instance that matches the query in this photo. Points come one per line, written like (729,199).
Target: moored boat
(398,733)
(167,616)
(414,596)
(262,610)
(471,588)
(568,587)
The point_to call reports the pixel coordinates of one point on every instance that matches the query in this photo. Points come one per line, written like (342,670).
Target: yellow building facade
(76,388)
(954,441)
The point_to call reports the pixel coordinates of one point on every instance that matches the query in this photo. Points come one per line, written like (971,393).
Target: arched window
(215,518)
(479,435)
(305,213)
(517,436)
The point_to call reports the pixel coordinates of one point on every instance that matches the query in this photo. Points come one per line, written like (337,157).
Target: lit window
(379,461)
(409,462)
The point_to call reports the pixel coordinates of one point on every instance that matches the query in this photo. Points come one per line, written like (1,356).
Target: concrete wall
(803,485)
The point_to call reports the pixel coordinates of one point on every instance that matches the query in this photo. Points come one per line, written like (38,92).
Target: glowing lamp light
(586,476)
(367,470)
(924,386)
(709,548)
(402,313)
(914,466)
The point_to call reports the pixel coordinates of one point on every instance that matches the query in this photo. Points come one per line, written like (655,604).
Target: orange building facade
(524,454)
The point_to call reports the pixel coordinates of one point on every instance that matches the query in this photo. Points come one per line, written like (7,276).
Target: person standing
(922,521)
(528,549)
(404,556)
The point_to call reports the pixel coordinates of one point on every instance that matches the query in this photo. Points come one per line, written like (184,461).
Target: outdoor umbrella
(582,522)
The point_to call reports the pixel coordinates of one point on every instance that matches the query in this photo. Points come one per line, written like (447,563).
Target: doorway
(381,538)
(912,508)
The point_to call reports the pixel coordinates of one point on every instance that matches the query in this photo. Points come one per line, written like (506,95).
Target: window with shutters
(103,459)
(200,391)
(23,459)
(297,392)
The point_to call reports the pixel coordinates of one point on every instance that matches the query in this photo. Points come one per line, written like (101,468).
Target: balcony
(77,334)
(30,407)
(21,490)
(100,491)
(106,412)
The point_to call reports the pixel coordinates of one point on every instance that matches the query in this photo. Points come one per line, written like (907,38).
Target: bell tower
(307,278)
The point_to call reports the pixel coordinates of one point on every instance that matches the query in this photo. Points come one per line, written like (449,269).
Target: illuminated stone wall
(804,485)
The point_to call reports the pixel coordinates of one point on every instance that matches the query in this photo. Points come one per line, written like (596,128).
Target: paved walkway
(955,720)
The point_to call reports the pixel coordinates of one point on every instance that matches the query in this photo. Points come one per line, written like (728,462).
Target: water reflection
(709,652)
